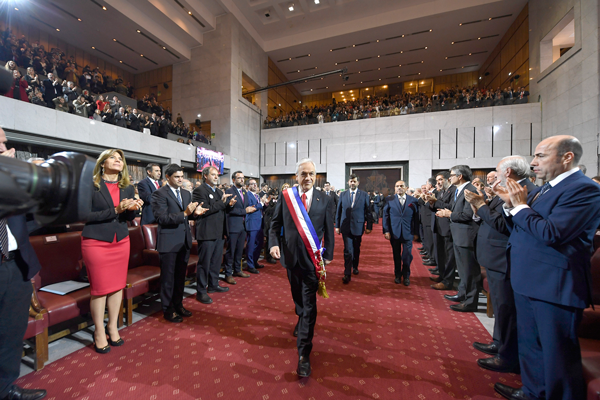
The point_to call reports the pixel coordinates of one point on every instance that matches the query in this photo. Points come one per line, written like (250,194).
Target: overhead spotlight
(425,47)
(452,42)
(385,86)
(510,73)
(459,24)
(199,115)
(138,31)
(291,7)
(141,55)
(311,90)
(189,12)
(16,9)
(57,30)
(431,30)
(317,2)
(79,19)
(479,78)
(104,8)
(267,14)
(93,48)
(121,61)
(114,40)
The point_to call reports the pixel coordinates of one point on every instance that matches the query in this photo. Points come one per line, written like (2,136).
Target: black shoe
(355,271)
(272,261)
(436,280)
(172,316)
(435,272)
(346,279)
(217,289)
(433,269)
(489,348)
(406,282)
(454,297)
(203,298)
(303,367)
(103,350)
(17,393)
(463,307)
(118,343)
(497,365)
(253,271)
(422,252)
(509,392)
(259,266)
(295,333)
(183,312)
(430,264)
(398,281)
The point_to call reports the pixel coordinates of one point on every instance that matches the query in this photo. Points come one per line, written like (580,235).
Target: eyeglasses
(452,174)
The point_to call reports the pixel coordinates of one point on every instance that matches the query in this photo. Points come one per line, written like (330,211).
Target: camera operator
(18,264)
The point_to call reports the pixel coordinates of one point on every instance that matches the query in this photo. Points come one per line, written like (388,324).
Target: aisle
(373,340)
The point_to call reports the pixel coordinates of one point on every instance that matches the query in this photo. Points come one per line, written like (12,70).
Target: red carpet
(373,340)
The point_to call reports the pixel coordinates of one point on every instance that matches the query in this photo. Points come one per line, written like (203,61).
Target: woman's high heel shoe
(118,343)
(103,350)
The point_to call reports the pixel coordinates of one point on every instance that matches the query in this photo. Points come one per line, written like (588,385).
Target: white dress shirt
(309,196)
(175,190)
(353,198)
(12,242)
(154,182)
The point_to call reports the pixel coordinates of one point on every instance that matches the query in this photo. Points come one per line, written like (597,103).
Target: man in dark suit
(210,234)
(52,89)
(173,208)
(441,227)
(120,119)
(549,251)
(353,211)
(464,232)
(18,264)
(236,227)
(134,120)
(154,125)
(331,193)
(163,127)
(146,187)
(376,203)
(492,240)
(425,215)
(296,259)
(400,224)
(254,227)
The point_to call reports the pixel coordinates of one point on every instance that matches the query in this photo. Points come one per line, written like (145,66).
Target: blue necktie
(179,199)
(543,190)
(351,198)
(455,195)
(3,237)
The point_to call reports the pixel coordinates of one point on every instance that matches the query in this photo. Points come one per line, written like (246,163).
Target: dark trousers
(235,249)
(402,250)
(428,241)
(253,248)
(173,267)
(549,351)
(15,298)
(351,252)
(304,284)
(446,262)
(505,313)
(210,254)
(469,272)
(376,214)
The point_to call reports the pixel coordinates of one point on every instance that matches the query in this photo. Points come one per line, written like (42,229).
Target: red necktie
(304,201)
(156,183)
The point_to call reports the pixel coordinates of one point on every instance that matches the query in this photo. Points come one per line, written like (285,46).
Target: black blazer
(145,189)
(211,224)
(293,251)
(463,228)
(103,222)
(441,225)
(27,260)
(236,214)
(173,226)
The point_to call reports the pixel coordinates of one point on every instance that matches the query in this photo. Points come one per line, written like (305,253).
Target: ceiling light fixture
(317,1)
(57,30)
(291,8)
(189,12)
(79,19)
(16,9)
(104,8)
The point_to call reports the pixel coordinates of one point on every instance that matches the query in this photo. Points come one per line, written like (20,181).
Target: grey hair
(517,164)
(304,161)
(463,170)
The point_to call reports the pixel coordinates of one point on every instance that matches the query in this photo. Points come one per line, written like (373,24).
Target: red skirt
(106,264)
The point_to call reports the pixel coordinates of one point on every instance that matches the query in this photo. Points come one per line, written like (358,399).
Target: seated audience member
(81,107)
(38,98)
(97,115)
(60,104)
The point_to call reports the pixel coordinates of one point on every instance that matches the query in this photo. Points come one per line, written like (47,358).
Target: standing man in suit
(549,251)
(146,187)
(400,224)
(254,227)
(295,257)
(426,222)
(492,240)
(441,227)
(236,227)
(464,232)
(353,210)
(18,264)
(376,202)
(173,208)
(134,120)
(331,193)
(210,234)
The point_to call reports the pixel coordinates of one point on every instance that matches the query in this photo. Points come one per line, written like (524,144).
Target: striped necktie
(3,237)
(179,199)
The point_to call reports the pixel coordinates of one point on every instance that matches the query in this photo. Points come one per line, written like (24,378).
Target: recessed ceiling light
(530,69)
(114,40)
(311,90)
(93,48)
(164,48)
(16,9)
(357,59)
(121,62)
(104,8)
(459,24)
(189,12)
(510,73)
(138,31)
(291,8)
(452,42)
(57,30)
(79,19)
(379,78)
(479,78)
(317,1)
(431,30)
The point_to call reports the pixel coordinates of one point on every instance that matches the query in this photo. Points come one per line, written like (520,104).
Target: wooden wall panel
(287,96)
(153,82)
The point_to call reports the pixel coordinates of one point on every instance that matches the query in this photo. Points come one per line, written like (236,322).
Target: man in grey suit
(464,232)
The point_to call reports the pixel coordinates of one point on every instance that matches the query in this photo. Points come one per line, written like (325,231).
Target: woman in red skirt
(105,243)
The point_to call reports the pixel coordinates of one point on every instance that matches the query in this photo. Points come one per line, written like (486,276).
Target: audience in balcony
(18,90)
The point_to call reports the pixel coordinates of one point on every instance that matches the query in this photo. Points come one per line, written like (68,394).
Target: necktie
(543,190)
(352,198)
(3,237)
(401,200)
(455,194)
(156,183)
(179,199)
(304,201)
(242,196)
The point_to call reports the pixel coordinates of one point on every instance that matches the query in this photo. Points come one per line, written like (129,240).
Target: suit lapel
(315,203)
(104,192)
(168,189)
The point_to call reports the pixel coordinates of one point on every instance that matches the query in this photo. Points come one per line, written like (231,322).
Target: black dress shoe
(117,343)
(496,364)
(203,298)
(491,348)
(435,272)
(436,280)
(422,252)
(17,393)
(303,367)
(173,317)
(398,281)
(430,264)
(454,297)
(295,333)
(183,312)
(253,271)
(102,350)
(217,289)
(462,307)
(259,266)
(509,392)
(346,279)
(406,282)
(355,271)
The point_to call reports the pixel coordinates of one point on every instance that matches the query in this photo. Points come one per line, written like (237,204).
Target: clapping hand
(443,213)
(250,209)
(517,193)
(200,210)
(124,205)
(476,199)
(502,192)
(190,208)
(232,201)
(136,205)
(225,196)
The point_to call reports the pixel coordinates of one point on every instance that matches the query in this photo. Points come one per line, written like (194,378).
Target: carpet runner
(373,340)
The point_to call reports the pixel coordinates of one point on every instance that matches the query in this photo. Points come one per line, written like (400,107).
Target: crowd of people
(401,104)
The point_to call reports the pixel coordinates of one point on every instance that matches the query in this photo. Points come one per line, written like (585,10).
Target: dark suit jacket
(550,244)
(173,226)
(441,225)
(254,220)
(237,214)
(425,214)
(335,198)
(51,91)
(145,189)
(401,222)
(463,228)
(293,251)
(103,222)
(135,122)
(492,237)
(27,261)
(351,220)
(211,224)
(120,120)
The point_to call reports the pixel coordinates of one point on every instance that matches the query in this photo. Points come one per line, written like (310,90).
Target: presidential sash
(308,234)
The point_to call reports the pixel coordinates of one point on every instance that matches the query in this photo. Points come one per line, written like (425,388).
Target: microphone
(6,80)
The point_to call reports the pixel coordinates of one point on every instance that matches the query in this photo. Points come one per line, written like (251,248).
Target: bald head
(556,155)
